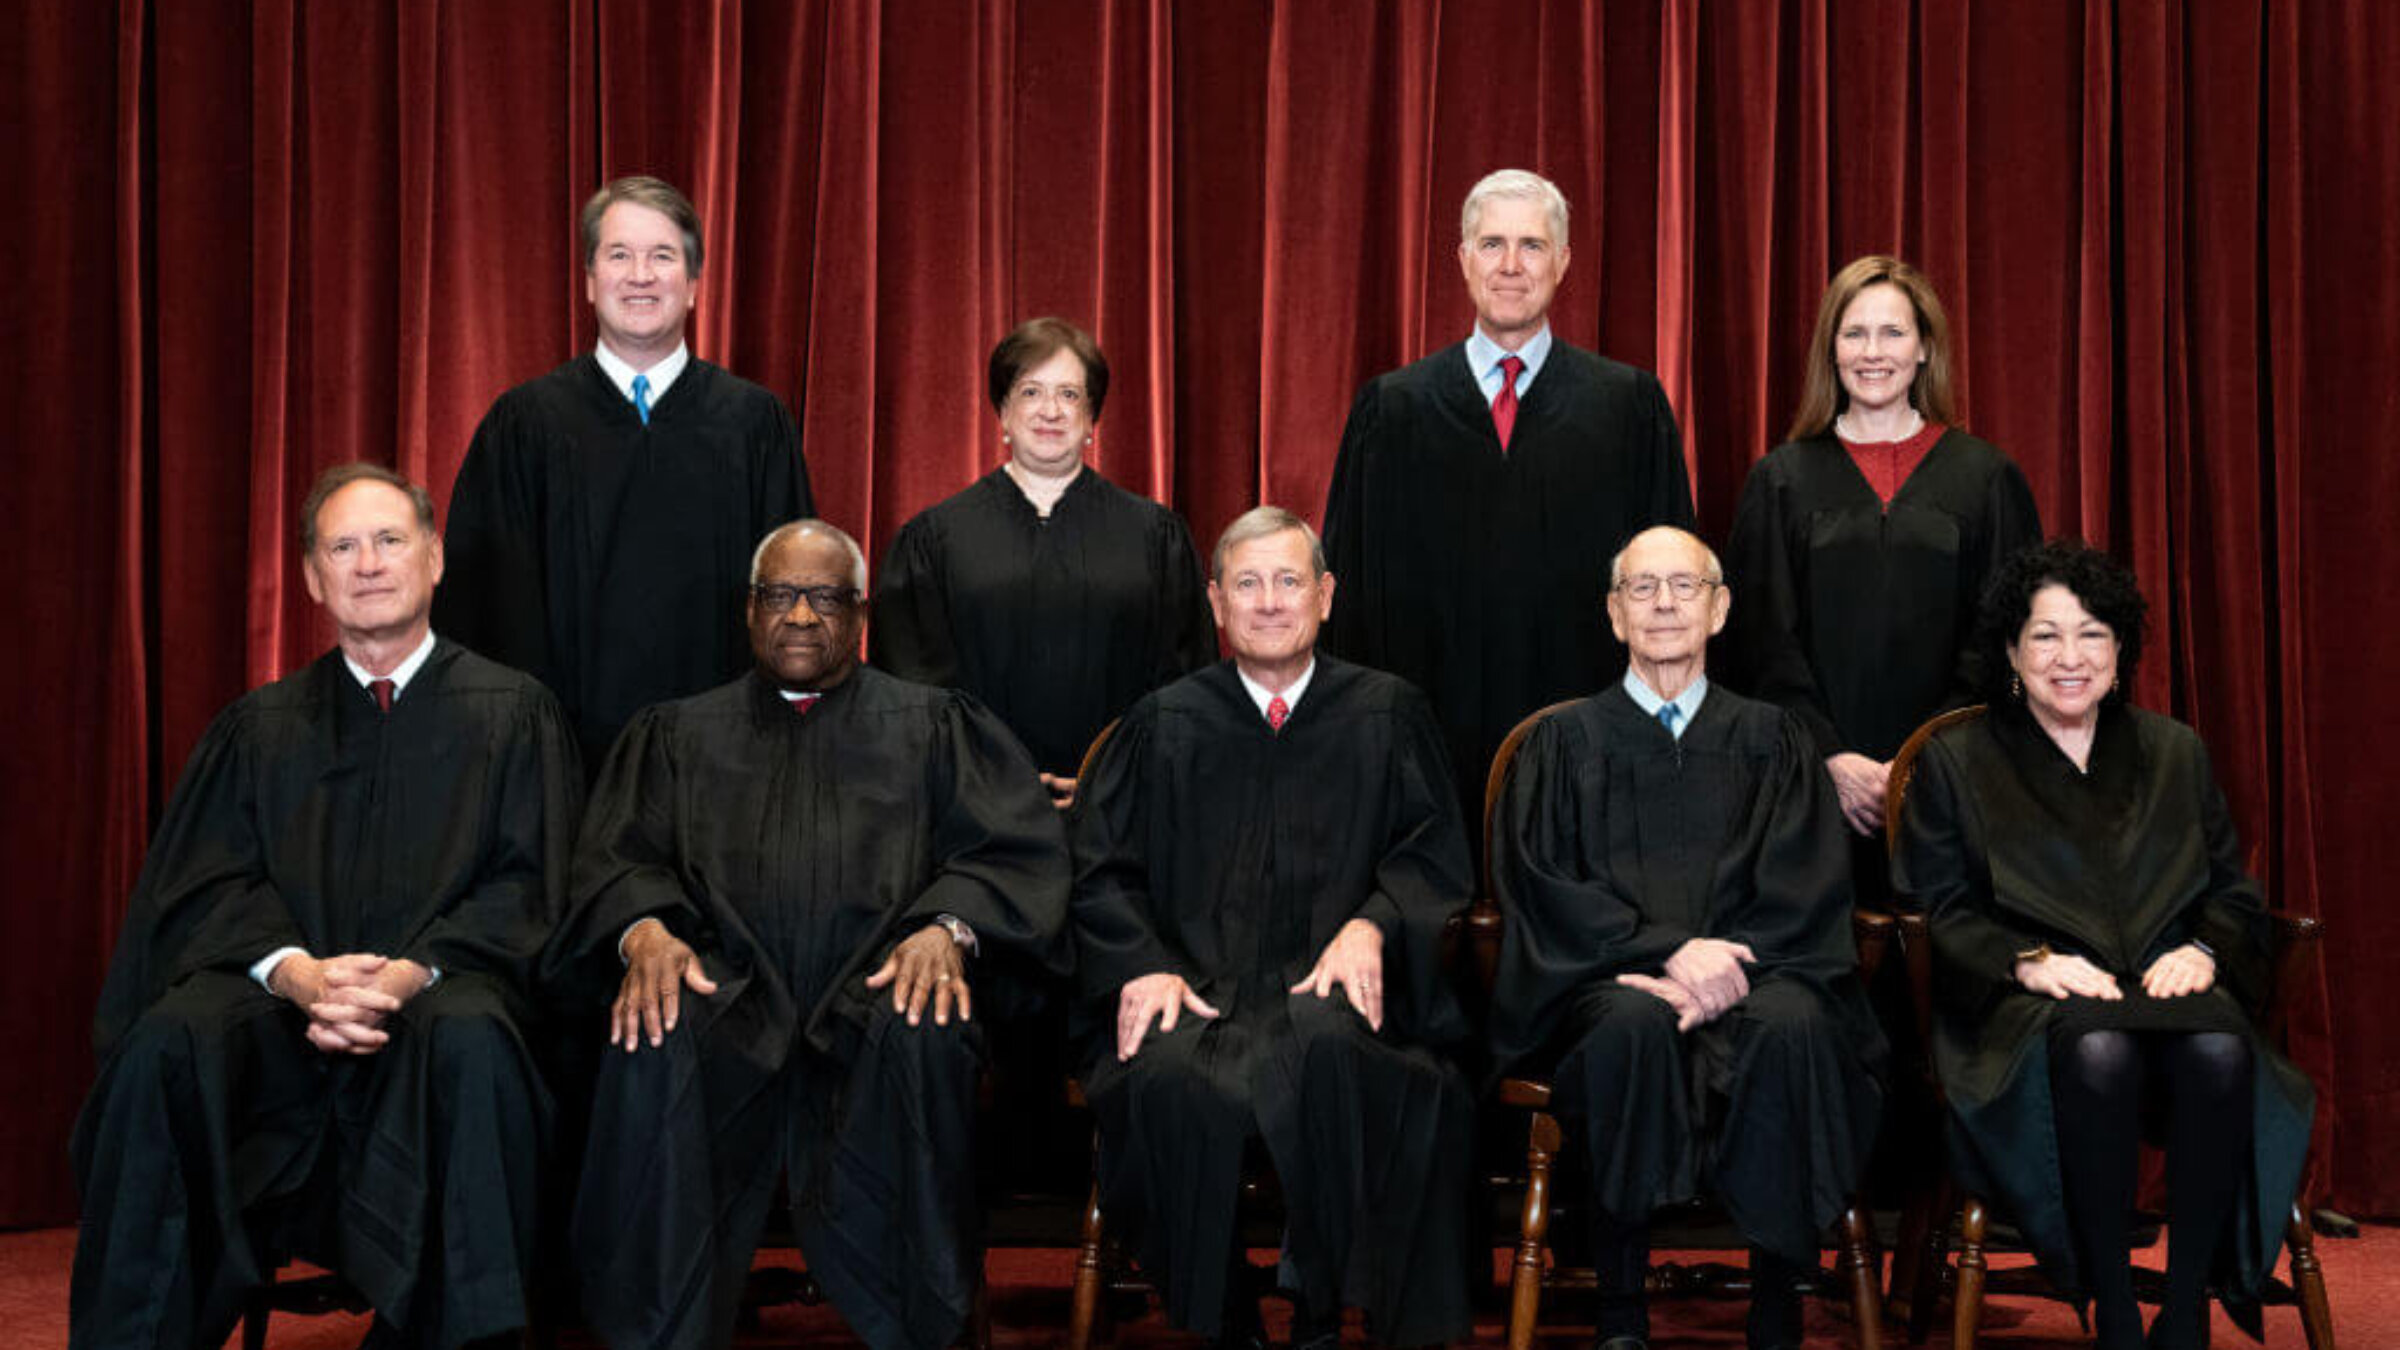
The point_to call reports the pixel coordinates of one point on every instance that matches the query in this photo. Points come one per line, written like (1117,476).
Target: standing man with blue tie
(1531,460)
(1677,957)
(602,522)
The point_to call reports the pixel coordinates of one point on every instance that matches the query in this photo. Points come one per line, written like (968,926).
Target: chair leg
(1932,1249)
(254,1323)
(1861,1271)
(1966,1313)
(1525,1282)
(2308,1281)
(1086,1305)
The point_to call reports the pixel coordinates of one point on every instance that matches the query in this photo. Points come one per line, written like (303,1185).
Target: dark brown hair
(1037,340)
(1931,391)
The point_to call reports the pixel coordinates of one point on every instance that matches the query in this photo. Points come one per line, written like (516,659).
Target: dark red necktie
(804,706)
(1277,710)
(1504,408)
(382,689)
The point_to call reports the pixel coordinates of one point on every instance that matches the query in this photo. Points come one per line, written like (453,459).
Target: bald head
(1682,546)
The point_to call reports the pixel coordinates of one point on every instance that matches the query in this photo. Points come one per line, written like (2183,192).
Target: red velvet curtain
(262,237)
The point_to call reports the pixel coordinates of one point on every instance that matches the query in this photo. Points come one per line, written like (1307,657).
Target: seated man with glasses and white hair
(780,882)
(1677,952)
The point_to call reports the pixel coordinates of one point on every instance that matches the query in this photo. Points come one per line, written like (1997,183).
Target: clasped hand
(348,997)
(1859,783)
(1703,979)
(2177,972)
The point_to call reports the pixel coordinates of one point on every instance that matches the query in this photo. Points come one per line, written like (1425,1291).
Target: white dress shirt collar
(620,373)
(1261,695)
(401,674)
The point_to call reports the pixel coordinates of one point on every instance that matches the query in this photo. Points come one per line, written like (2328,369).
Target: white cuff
(265,969)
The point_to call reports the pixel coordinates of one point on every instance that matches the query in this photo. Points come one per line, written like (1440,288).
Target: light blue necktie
(1667,717)
(641,397)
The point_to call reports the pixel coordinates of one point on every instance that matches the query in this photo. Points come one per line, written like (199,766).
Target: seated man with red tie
(314,1035)
(1266,852)
(1678,956)
(781,881)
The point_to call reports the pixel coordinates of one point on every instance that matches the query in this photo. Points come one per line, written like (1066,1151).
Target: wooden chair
(1922,1264)
(1531,1275)
(1101,1268)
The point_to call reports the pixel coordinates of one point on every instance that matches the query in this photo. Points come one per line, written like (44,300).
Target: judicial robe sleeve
(204,900)
(1346,537)
(1770,657)
(1186,626)
(910,634)
(2010,522)
(528,832)
(1000,860)
(1670,479)
(1115,939)
(1568,923)
(1789,897)
(627,866)
(494,598)
(780,477)
(1421,881)
(1940,864)
(2232,917)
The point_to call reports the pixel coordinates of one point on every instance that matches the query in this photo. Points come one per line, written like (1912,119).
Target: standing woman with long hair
(1862,546)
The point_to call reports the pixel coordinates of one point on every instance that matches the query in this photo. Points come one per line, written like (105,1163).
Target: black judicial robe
(1477,575)
(1857,617)
(792,852)
(2008,846)
(1209,846)
(1612,845)
(609,558)
(1056,625)
(307,818)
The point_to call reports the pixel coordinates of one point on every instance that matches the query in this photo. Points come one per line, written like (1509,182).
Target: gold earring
(2016,687)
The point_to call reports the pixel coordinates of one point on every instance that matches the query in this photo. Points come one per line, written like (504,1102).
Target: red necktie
(1504,408)
(807,705)
(1277,710)
(382,690)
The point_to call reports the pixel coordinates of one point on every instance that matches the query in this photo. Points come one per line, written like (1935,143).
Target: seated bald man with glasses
(1677,956)
(781,883)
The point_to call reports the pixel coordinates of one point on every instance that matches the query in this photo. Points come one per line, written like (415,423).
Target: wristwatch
(957,928)
(2037,953)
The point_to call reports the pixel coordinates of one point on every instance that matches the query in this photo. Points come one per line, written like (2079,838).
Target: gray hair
(1714,572)
(1514,185)
(812,525)
(1260,522)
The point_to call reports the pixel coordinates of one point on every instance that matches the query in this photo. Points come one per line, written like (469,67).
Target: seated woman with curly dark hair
(2099,955)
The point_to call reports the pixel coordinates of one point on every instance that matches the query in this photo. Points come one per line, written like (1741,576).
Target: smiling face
(1665,629)
(797,647)
(374,565)
(1048,415)
(1270,602)
(1876,349)
(1512,267)
(640,283)
(2065,658)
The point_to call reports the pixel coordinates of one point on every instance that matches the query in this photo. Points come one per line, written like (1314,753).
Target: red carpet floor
(1030,1309)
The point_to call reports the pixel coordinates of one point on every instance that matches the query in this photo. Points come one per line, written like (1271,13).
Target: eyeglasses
(1682,585)
(1030,394)
(830,602)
